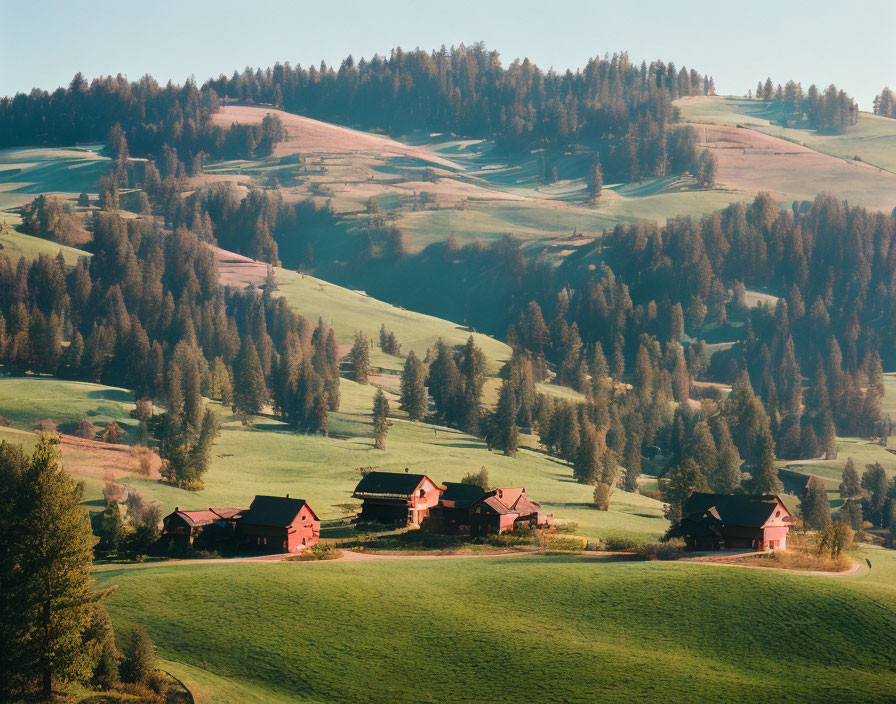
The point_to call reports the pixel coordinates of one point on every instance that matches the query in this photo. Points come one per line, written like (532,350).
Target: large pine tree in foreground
(46,548)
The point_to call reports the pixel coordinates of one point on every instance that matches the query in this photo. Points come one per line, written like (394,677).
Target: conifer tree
(814,506)
(850,486)
(380,419)
(504,434)
(632,461)
(50,553)
(250,392)
(413,390)
(359,358)
(682,480)
(765,475)
(595,180)
(727,475)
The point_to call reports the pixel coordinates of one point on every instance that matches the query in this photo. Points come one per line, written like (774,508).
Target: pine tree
(413,391)
(765,475)
(380,419)
(585,466)
(359,358)
(52,548)
(250,392)
(829,440)
(504,434)
(595,180)
(850,486)
(682,480)
(874,481)
(814,506)
(142,664)
(632,461)
(727,475)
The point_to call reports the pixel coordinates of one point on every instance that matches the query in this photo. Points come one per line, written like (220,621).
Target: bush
(316,552)
(621,543)
(565,544)
(568,527)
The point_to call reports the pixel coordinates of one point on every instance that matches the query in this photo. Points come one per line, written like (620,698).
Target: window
(777,513)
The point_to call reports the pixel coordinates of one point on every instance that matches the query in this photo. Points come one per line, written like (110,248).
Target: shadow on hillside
(120,395)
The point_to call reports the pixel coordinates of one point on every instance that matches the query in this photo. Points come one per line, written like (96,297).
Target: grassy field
(558,629)
(26,173)
(347,311)
(271,459)
(16,245)
(873,139)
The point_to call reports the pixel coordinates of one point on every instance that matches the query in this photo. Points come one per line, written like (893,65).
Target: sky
(811,41)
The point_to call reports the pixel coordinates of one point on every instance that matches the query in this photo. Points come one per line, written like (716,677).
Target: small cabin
(186,526)
(452,514)
(396,498)
(278,524)
(735,521)
(505,508)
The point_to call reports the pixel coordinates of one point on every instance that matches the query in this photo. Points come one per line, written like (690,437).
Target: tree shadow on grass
(120,395)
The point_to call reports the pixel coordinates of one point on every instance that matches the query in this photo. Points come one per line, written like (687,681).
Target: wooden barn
(504,509)
(278,524)
(735,521)
(396,498)
(186,526)
(452,514)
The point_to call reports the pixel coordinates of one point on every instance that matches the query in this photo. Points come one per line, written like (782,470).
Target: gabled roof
(506,500)
(206,516)
(389,484)
(461,495)
(750,510)
(274,511)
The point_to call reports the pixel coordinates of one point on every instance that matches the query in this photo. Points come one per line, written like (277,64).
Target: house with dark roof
(504,509)
(185,526)
(726,521)
(396,498)
(278,524)
(452,514)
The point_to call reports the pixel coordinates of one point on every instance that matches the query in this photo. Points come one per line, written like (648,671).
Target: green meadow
(539,628)
(872,139)
(269,458)
(26,173)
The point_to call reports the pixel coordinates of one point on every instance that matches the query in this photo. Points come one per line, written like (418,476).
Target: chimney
(287,496)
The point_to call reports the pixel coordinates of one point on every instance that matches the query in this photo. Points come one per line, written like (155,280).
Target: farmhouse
(278,524)
(723,521)
(186,526)
(504,509)
(452,514)
(395,497)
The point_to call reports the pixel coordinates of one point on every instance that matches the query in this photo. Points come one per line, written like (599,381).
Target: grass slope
(271,459)
(873,139)
(560,629)
(26,173)
(347,311)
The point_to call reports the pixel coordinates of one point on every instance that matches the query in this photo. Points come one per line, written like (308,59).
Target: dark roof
(463,495)
(206,516)
(750,510)
(389,483)
(275,511)
(519,503)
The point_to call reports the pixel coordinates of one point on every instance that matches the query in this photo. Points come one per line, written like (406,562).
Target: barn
(278,524)
(735,521)
(186,526)
(504,509)
(452,514)
(396,498)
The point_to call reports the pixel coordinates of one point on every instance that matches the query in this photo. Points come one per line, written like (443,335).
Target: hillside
(630,631)
(269,458)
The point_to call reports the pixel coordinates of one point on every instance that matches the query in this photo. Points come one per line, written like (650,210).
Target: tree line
(830,111)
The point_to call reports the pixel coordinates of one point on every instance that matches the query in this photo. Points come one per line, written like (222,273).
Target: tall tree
(250,391)
(380,419)
(413,390)
(814,506)
(49,556)
(359,358)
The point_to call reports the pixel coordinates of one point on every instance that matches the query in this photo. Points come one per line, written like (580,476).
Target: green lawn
(16,245)
(347,311)
(553,629)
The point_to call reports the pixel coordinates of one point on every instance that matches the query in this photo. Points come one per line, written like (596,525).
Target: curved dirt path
(857,568)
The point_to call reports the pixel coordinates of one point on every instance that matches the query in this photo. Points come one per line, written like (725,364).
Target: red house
(724,521)
(504,509)
(278,524)
(186,526)
(396,497)
(452,514)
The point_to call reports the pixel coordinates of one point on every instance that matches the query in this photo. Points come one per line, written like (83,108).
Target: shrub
(565,544)
(622,543)
(316,552)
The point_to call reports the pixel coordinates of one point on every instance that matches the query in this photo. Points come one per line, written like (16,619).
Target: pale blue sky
(849,43)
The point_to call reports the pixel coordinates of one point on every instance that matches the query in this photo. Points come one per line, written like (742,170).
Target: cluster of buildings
(282,524)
